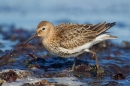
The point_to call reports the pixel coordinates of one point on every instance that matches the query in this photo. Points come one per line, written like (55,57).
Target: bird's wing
(73,35)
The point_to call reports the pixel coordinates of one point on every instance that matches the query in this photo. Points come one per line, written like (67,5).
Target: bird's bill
(32,37)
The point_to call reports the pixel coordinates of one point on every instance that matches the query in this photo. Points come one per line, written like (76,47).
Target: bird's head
(43,30)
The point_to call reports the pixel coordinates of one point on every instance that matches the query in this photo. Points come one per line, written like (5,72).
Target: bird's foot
(100,70)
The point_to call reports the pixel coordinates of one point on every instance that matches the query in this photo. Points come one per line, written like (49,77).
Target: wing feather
(74,35)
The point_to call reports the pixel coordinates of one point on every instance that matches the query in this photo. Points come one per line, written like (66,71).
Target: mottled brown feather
(74,35)
(42,23)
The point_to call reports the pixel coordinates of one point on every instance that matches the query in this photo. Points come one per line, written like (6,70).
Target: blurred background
(26,14)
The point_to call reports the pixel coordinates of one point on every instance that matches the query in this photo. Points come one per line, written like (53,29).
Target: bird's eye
(43,28)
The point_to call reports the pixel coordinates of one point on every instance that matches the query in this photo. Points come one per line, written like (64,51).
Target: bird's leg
(100,70)
(73,67)
(93,55)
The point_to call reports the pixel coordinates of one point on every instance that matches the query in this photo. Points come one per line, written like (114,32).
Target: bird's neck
(51,35)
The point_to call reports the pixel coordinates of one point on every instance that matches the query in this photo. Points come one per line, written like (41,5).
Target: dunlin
(70,40)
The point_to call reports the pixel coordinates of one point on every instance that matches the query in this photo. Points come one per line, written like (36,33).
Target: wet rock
(83,68)
(6,59)
(32,56)
(113,83)
(50,74)
(126,44)
(89,71)
(62,75)
(100,71)
(40,83)
(23,74)
(118,76)
(9,76)
(2,81)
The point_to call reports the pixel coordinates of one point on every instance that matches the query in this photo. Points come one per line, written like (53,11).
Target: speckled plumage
(70,40)
(70,36)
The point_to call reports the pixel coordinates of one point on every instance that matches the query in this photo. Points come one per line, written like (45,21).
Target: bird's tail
(101,28)
(103,37)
